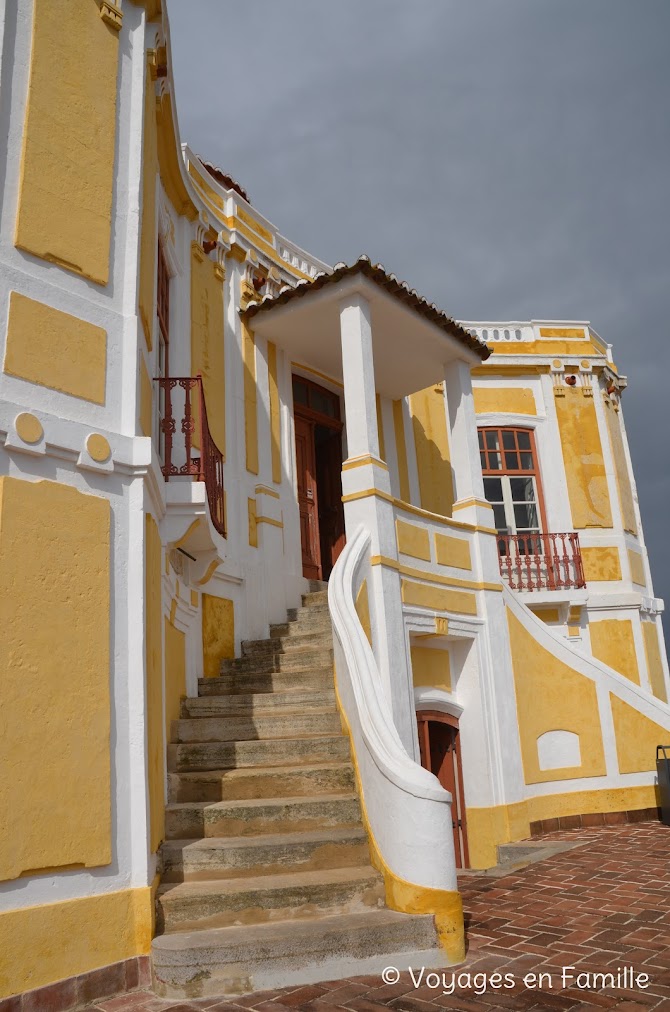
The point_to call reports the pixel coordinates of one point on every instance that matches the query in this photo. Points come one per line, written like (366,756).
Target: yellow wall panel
(430,668)
(516,400)
(636,737)
(550,696)
(424,595)
(621,467)
(612,643)
(429,424)
(363,610)
(548,615)
(65,194)
(148,238)
(454,552)
(401,450)
(253,523)
(54,667)
(652,649)
(56,350)
(601,563)
(413,540)
(275,413)
(636,568)
(154,684)
(250,399)
(583,459)
(218,633)
(207,352)
(146,398)
(46,943)
(175,674)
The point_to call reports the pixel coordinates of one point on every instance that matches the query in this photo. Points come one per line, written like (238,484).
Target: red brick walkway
(597,908)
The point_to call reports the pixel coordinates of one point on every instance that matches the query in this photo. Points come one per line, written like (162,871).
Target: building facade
(218,453)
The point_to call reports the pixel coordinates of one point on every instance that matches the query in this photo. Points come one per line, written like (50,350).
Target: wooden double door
(440,747)
(318,446)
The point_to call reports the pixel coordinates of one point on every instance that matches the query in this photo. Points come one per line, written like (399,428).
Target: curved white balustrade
(409,813)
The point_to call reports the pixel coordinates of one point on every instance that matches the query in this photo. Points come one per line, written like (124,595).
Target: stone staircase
(266,878)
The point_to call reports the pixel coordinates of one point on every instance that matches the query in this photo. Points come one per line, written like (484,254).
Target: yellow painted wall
(275,413)
(175,674)
(413,540)
(516,400)
(43,944)
(55,350)
(488,827)
(54,671)
(65,192)
(430,668)
(207,353)
(429,424)
(636,568)
(636,737)
(363,610)
(146,399)
(401,450)
(612,643)
(548,615)
(154,684)
(218,632)
(583,459)
(601,563)
(253,523)
(454,552)
(148,237)
(622,476)
(550,696)
(652,649)
(250,399)
(427,596)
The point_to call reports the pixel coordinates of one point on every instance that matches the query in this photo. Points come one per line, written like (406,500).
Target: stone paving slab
(603,908)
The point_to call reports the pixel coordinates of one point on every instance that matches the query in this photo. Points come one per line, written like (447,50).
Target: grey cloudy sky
(509,158)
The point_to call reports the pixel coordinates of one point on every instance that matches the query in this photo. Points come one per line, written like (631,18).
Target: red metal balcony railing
(183,397)
(541,561)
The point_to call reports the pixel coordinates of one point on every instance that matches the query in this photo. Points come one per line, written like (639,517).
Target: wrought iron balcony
(182,398)
(541,561)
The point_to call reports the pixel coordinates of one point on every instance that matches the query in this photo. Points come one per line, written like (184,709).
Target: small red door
(331,510)
(307,497)
(439,742)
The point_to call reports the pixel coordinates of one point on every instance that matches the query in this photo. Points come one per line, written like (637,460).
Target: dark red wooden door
(331,510)
(308,503)
(440,747)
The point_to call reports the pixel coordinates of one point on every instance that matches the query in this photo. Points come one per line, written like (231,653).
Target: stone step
(319,612)
(258,727)
(257,703)
(262,782)
(195,819)
(271,752)
(302,641)
(315,598)
(316,624)
(258,957)
(201,905)
(248,683)
(225,858)
(304,659)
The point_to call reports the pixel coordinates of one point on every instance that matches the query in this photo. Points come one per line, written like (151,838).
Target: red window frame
(486,455)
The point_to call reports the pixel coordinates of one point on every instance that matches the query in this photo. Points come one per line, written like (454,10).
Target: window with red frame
(512,480)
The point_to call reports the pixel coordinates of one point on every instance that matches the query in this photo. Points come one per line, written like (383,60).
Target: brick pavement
(599,907)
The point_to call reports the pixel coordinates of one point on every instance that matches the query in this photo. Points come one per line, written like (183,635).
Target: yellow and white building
(469,485)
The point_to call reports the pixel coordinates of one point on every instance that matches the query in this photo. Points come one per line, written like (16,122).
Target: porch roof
(412,339)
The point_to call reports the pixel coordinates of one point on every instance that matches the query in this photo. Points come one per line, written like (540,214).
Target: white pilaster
(359,377)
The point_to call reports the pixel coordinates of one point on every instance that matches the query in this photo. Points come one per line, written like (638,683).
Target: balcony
(535,562)
(191,452)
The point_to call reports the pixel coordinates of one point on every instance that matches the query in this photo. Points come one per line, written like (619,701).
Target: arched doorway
(439,742)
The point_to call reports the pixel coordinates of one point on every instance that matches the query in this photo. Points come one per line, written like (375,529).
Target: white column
(470,505)
(359,377)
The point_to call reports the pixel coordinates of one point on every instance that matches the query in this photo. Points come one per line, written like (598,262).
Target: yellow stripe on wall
(401,450)
(429,424)
(612,642)
(652,649)
(583,460)
(154,684)
(207,348)
(624,486)
(148,237)
(54,661)
(218,633)
(250,399)
(65,192)
(515,400)
(601,563)
(275,415)
(47,943)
